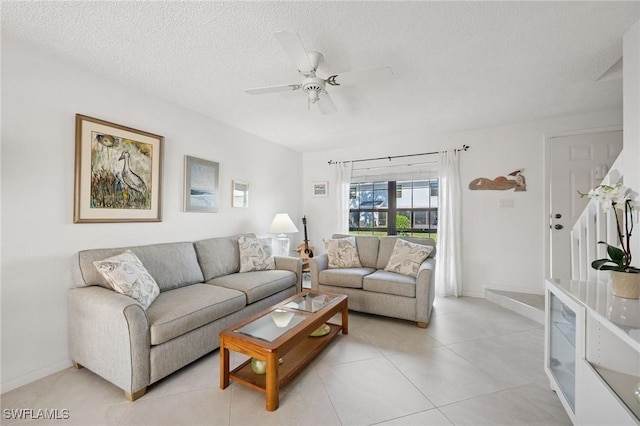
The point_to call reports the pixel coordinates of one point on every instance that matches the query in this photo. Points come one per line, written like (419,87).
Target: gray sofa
(373,290)
(201,293)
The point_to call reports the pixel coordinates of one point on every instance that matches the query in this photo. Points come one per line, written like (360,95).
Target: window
(412,212)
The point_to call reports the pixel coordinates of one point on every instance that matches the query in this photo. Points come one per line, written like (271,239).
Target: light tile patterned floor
(476,363)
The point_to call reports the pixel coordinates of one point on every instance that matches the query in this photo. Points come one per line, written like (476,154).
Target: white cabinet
(564,345)
(592,352)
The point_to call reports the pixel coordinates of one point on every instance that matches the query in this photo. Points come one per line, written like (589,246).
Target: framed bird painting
(118,173)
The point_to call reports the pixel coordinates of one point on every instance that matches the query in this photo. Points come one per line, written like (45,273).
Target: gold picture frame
(118,173)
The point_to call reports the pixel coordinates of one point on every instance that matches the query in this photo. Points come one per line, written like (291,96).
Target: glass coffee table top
(271,325)
(310,302)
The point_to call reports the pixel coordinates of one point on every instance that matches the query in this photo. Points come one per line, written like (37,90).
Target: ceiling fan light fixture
(314,96)
(313,86)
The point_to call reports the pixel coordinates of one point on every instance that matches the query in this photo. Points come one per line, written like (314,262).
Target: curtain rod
(464,148)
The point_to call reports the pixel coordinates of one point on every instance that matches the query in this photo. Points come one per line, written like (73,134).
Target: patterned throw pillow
(256,254)
(343,253)
(127,275)
(407,257)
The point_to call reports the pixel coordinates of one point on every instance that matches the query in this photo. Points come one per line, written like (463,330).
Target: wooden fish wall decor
(501,183)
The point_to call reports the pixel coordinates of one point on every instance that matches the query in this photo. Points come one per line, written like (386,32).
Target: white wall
(40,97)
(503,248)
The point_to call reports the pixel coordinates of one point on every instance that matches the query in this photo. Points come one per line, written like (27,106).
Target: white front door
(578,163)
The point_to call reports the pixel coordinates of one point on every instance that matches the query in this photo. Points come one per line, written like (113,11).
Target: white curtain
(448,247)
(343,184)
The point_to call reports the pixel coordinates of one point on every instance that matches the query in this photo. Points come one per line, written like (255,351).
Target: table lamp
(282,225)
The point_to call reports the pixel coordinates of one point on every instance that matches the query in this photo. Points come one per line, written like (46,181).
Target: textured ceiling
(457,65)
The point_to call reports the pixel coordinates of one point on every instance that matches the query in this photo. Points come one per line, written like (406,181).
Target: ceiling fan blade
(325,104)
(293,47)
(373,75)
(272,89)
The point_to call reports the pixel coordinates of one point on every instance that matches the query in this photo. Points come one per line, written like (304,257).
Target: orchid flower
(621,198)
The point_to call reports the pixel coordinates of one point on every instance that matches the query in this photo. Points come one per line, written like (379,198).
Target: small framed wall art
(240,194)
(118,173)
(320,189)
(200,185)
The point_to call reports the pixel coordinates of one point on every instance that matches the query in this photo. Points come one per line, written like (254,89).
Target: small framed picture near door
(240,194)
(200,185)
(320,189)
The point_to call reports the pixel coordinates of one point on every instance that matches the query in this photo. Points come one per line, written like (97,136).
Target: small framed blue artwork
(320,189)
(201,178)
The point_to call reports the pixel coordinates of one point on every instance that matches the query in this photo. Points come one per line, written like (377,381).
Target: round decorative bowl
(258,366)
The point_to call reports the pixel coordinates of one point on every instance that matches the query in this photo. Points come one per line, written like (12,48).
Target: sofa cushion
(368,246)
(346,277)
(127,275)
(407,257)
(388,243)
(184,309)
(390,283)
(172,265)
(219,256)
(257,285)
(256,254)
(342,253)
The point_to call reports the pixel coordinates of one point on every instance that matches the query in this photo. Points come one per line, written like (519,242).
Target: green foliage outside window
(402,222)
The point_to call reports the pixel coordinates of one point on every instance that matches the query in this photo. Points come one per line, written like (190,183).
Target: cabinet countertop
(621,315)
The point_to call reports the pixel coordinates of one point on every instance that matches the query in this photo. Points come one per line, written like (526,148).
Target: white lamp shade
(282,224)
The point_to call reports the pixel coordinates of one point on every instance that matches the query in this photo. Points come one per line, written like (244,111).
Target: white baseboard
(520,307)
(33,376)
(526,290)
(473,294)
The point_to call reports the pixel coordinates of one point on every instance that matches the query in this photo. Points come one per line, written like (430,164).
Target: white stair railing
(592,226)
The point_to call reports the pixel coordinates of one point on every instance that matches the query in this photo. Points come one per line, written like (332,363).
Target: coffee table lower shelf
(266,337)
(292,362)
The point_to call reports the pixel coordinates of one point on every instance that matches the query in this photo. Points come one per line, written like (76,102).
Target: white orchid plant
(617,198)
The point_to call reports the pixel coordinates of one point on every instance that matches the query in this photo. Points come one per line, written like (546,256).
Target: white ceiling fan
(315,87)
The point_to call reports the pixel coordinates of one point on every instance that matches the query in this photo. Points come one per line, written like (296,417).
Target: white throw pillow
(407,257)
(256,254)
(342,253)
(127,275)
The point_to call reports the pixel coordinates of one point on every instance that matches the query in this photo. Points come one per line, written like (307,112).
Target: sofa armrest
(293,264)
(109,335)
(317,264)
(425,289)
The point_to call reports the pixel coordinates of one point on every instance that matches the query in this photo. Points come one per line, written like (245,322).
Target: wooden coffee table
(281,336)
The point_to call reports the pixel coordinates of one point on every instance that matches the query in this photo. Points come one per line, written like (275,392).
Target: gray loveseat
(373,290)
(201,293)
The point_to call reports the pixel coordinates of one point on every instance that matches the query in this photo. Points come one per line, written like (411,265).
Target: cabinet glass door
(562,348)
(616,356)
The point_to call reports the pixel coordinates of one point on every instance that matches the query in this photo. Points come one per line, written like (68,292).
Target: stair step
(526,304)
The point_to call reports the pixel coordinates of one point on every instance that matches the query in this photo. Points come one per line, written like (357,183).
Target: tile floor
(476,364)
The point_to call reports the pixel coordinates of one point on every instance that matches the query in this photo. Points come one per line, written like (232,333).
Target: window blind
(395,172)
